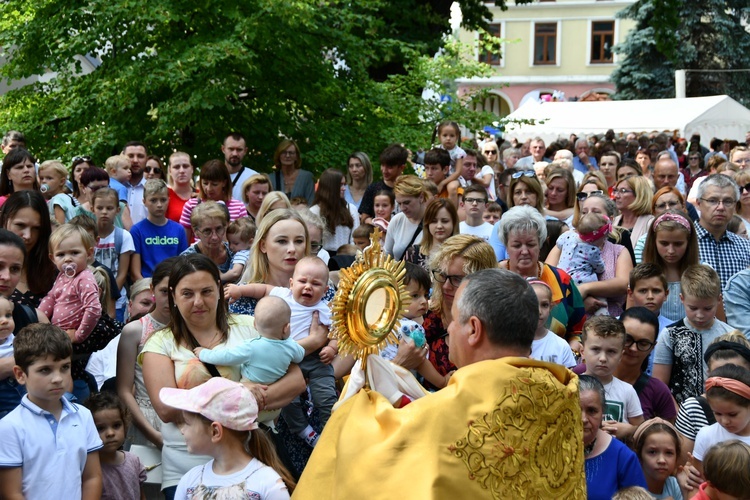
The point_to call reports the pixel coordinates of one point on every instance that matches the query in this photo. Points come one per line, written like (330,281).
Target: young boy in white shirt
(48,445)
(548,346)
(603,339)
(473,203)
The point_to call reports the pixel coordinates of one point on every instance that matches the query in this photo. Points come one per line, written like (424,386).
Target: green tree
(336,76)
(681,34)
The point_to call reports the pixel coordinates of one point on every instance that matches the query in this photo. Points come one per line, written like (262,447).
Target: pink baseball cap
(220,400)
(381,223)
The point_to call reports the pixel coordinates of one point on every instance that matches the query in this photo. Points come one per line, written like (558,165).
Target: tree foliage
(682,34)
(336,76)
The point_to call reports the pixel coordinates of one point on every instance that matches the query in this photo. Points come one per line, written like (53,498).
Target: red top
(174,210)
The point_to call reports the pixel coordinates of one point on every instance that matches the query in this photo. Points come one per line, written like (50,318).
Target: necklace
(587,449)
(539,267)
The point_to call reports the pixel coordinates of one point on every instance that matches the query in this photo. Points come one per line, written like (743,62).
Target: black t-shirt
(367,205)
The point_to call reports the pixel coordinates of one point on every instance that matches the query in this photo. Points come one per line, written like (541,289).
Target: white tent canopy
(714,116)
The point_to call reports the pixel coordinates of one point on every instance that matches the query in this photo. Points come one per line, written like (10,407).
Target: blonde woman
(405,229)
(254,191)
(633,197)
(274,200)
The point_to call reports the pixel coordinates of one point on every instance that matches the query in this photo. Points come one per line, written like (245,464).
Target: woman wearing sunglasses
(633,200)
(525,190)
(593,182)
(154,169)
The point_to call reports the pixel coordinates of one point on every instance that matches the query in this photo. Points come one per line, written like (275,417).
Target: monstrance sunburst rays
(369,303)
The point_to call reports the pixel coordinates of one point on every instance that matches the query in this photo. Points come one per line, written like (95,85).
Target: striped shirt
(236,210)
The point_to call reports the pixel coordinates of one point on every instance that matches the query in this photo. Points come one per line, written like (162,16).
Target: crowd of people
(147,303)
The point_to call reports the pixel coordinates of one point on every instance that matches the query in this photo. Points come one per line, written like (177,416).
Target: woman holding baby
(199,318)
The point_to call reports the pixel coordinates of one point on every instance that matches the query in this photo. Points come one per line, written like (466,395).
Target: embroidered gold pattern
(530,445)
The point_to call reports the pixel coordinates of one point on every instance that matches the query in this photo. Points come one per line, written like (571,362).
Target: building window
(545,43)
(602,39)
(490,53)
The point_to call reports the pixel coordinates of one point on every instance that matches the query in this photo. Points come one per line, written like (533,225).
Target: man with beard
(235,149)
(137,153)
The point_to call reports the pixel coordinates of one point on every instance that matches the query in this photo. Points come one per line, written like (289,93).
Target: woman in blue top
(610,465)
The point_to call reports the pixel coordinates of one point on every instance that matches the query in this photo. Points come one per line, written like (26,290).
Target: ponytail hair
(260,447)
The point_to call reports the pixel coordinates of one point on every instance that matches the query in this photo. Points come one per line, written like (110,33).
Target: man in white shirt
(137,153)
(473,204)
(234,149)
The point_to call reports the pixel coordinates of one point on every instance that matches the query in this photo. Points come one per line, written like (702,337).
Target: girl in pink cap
(220,421)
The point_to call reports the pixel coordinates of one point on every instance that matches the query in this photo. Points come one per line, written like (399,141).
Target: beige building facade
(554,50)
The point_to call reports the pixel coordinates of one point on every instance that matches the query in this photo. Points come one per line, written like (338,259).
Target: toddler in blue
(266,358)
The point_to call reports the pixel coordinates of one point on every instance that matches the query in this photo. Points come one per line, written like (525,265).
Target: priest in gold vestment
(505,427)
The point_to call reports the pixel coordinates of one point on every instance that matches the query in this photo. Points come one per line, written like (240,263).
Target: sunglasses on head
(523,173)
(80,159)
(582,195)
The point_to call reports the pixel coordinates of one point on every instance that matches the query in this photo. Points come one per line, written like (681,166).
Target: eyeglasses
(155,170)
(95,188)
(523,173)
(713,202)
(691,158)
(289,153)
(642,345)
(80,159)
(441,277)
(474,201)
(668,205)
(583,195)
(746,187)
(491,152)
(622,191)
(206,233)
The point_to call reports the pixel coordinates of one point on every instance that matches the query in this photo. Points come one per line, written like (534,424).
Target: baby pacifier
(69,269)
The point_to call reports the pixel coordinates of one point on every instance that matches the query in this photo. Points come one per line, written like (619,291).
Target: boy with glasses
(473,205)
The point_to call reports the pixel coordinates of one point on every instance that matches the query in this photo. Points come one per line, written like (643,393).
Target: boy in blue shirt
(118,168)
(48,445)
(155,238)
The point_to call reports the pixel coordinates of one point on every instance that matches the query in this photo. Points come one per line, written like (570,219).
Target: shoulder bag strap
(411,241)
(706,409)
(237,177)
